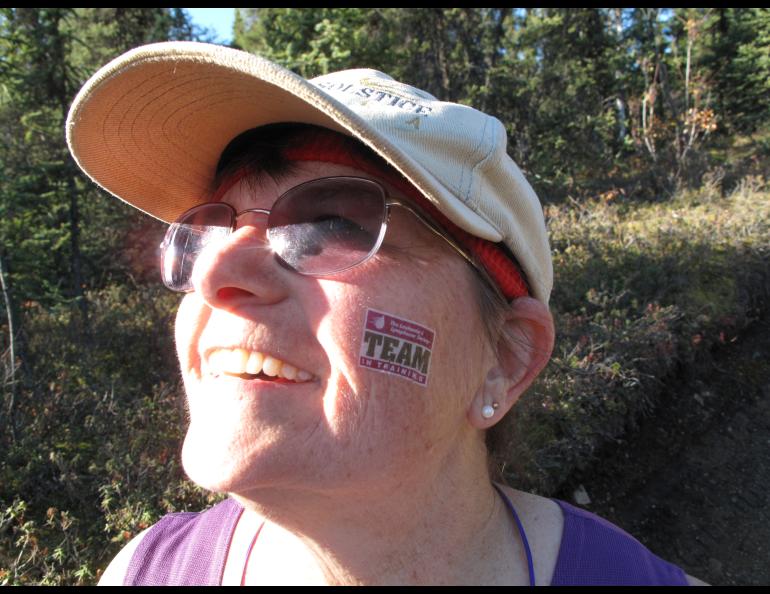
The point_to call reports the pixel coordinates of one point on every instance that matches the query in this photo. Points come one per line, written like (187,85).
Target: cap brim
(150,126)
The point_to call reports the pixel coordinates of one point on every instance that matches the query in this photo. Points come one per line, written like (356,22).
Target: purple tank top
(185,549)
(595,552)
(190,549)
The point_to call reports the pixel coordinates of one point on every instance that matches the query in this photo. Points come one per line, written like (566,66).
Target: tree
(738,62)
(545,72)
(45,56)
(68,318)
(314,41)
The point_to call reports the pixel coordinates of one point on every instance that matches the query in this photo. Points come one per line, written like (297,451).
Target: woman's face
(347,424)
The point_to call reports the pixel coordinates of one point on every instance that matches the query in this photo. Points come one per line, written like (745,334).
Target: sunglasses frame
(388,202)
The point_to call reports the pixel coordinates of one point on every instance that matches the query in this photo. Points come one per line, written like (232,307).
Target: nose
(240,269)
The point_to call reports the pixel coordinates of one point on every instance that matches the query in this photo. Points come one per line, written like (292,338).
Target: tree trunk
(620,100)
(9,378)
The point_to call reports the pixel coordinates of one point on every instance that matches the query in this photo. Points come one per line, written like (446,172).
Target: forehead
(263,190)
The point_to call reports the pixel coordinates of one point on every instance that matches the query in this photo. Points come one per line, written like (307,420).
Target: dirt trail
(692,484)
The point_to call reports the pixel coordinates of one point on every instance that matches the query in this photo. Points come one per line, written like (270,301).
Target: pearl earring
(489,411)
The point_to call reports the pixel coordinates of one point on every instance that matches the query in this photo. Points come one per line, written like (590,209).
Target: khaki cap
(149,127)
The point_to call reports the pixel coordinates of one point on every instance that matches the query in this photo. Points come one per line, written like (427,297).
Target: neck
(446,527)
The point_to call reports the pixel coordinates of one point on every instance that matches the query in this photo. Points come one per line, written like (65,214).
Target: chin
(205,468)
(241,465)
(217,467)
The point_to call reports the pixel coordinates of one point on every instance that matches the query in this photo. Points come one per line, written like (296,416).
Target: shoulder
(594,551)
(118,567)
(692,581)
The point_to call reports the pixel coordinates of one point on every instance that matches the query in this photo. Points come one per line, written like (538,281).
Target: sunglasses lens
(318,228)
(188,237)
(328,225)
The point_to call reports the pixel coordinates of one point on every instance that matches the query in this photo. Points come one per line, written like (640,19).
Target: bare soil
(692,482)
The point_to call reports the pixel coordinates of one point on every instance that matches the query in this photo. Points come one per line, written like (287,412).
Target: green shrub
(96,457)
(641,291)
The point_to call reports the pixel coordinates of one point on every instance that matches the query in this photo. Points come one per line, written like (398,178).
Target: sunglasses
(318,228)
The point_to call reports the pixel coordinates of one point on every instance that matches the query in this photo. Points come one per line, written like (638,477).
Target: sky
(219,20)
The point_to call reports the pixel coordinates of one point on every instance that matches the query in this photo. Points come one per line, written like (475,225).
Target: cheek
(374,367)
(190,320)
(341,329)
(437,296)
(361,400)
(338,331)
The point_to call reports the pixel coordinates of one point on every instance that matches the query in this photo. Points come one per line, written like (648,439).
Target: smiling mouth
(253,365)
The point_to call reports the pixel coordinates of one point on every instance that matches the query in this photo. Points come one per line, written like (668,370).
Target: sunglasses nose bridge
(252,217)
(238,265)
(247,231)
(249,227)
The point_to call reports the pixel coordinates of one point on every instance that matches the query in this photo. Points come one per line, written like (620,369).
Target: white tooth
(271,366)
(236,360)
(254,364)
(216,360)
(288,371)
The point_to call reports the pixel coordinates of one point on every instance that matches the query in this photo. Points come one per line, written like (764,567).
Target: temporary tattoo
(397,346)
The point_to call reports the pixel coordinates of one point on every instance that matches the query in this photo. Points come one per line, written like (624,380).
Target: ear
(523,350)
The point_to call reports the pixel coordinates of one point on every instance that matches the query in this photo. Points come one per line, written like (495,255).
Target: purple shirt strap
(595,552)
(185,549)
(524,541)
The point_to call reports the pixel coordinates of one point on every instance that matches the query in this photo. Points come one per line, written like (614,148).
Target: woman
(367,286)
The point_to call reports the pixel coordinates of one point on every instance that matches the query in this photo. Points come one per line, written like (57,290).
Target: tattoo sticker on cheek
(396,346)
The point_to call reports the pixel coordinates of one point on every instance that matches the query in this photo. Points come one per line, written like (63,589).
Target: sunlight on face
(350,425)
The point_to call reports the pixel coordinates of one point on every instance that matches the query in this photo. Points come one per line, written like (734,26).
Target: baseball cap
(150,126)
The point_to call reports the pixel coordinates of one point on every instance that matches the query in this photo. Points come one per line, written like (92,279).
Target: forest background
(645,132)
